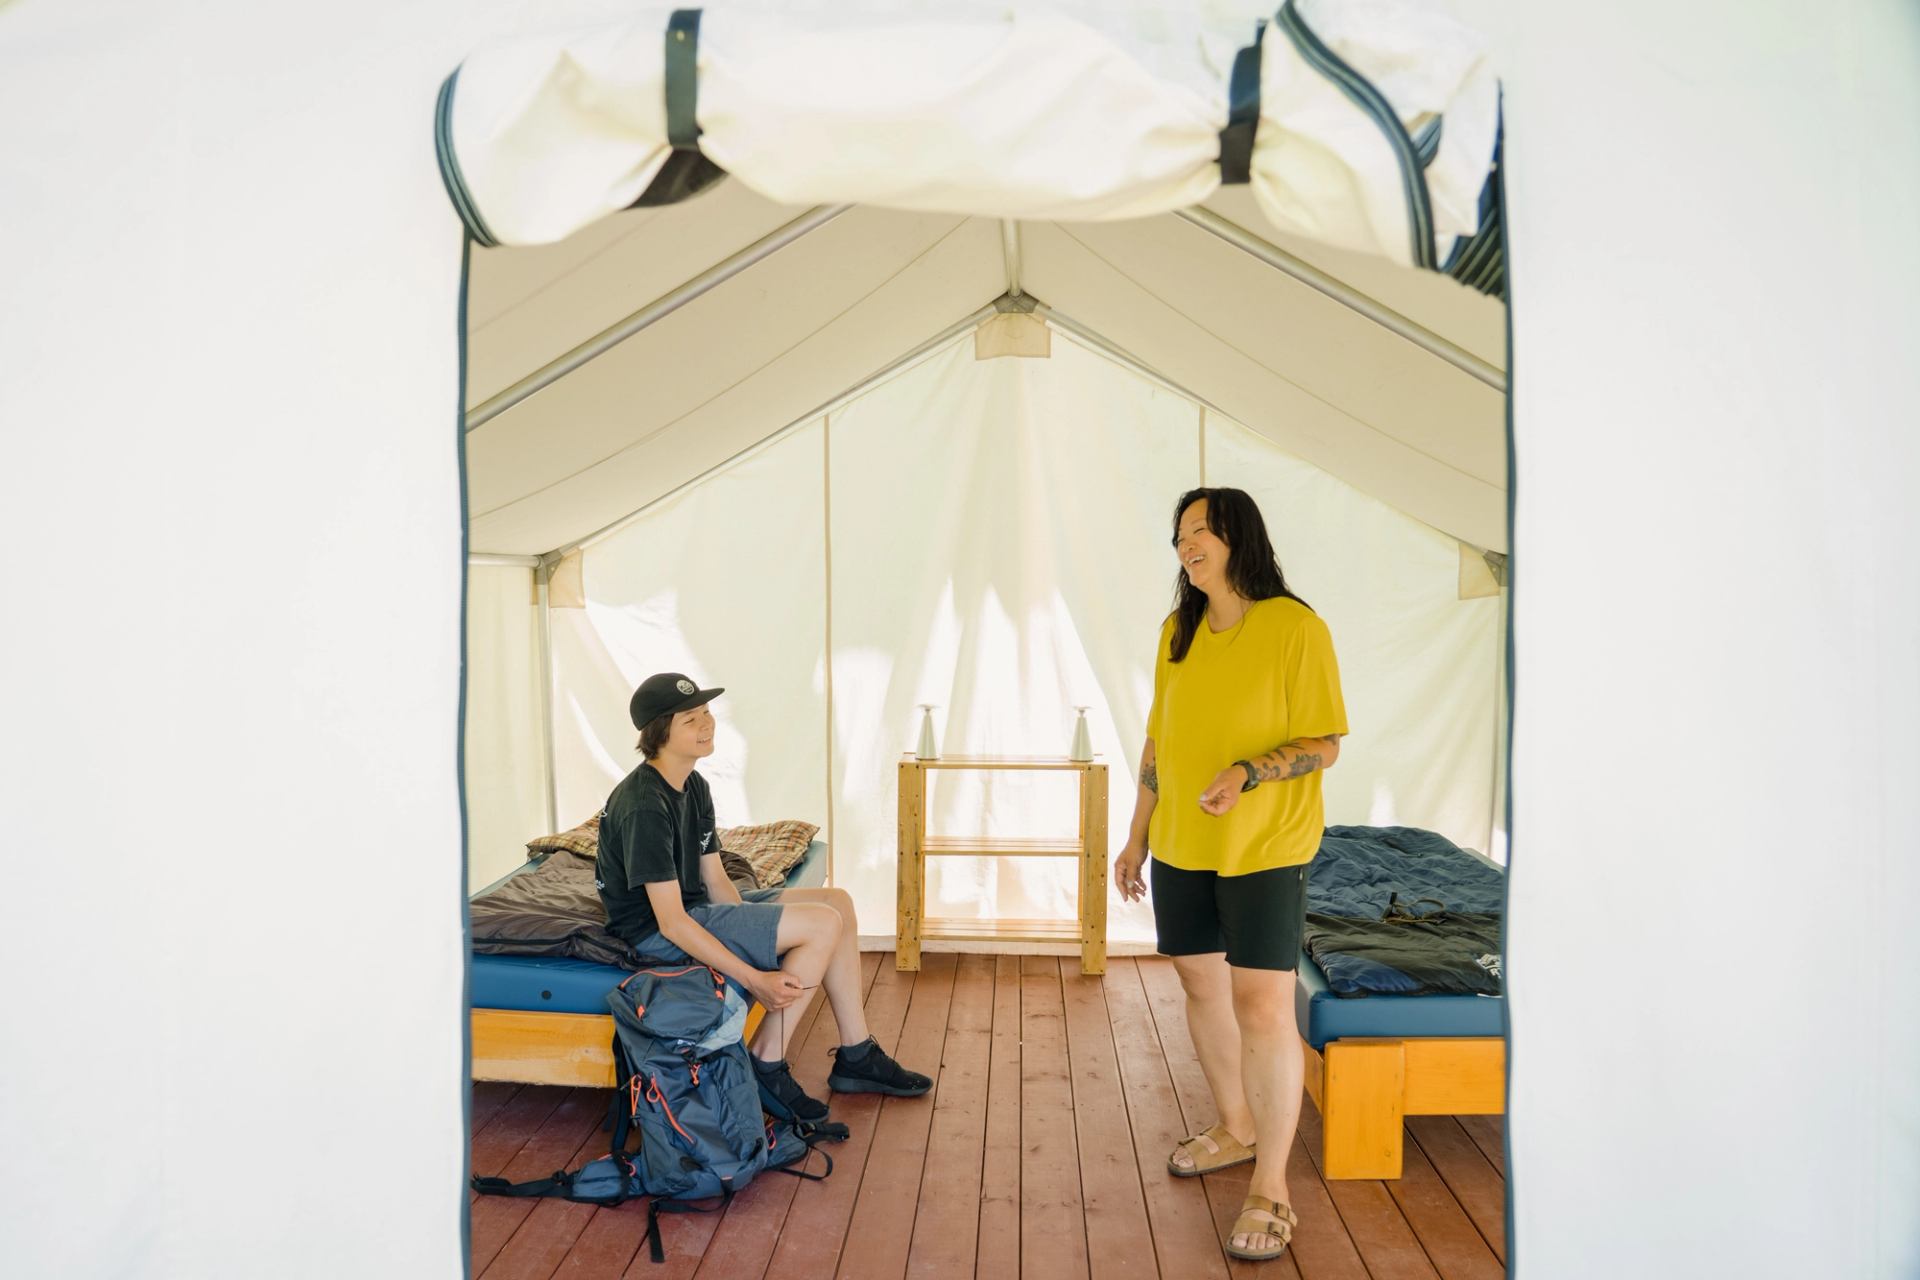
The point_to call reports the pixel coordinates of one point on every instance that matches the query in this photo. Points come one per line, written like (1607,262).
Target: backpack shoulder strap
(558,1184)
(657,1206)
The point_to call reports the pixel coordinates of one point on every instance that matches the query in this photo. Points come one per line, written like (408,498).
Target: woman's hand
(1224,791)
(1126,872)
(775,988)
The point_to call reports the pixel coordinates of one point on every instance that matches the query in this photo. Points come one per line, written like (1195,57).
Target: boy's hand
(776,988)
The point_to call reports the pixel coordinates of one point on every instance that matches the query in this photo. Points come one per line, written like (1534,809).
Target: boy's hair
(654,735)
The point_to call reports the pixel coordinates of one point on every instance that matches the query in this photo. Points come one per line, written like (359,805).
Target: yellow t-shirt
(1263,682)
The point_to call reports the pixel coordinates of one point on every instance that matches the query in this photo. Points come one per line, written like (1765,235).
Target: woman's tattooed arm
(1296,759)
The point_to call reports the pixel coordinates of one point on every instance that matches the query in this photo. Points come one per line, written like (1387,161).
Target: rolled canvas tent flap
(1368,127)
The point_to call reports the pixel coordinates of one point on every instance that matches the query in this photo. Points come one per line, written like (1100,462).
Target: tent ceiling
(796,329)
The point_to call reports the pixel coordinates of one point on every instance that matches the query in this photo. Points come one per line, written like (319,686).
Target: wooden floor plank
(486,1100)
(743,1243)
(1480,1191)
(501,1138)
(1182,1224)
(1053,1233)
(1380,1231)
(946,1227)
(816,1228)
(1041,1151)
(1452,1242)
(1489,1134)
(1226,1190)
(881,1229)
(608,1244)
(551,1146)
(547,1234)
(998,1252)
(1119,1238)
(1321,1247)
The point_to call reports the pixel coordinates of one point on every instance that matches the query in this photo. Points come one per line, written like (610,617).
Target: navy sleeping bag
(1402,911)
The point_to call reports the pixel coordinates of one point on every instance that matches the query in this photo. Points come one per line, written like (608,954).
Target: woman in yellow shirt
(1246,713)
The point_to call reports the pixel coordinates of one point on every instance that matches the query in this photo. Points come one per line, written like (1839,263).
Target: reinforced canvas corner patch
(1481,572)
(565,588)
(1013,334)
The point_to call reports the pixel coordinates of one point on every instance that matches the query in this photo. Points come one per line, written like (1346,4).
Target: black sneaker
(782,1095)
(866,1068)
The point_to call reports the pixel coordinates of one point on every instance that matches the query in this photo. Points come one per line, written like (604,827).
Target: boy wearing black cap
(668,896)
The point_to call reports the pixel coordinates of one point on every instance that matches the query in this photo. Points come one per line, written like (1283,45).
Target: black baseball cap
(668,693)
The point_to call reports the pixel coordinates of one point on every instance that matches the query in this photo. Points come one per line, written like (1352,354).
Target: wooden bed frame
(1366,1087)
(551,1048)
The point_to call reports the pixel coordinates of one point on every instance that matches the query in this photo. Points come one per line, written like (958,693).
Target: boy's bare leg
(808,942)
(842,976)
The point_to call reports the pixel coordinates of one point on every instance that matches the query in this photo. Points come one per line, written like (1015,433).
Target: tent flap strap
(683,79)
(1243,113)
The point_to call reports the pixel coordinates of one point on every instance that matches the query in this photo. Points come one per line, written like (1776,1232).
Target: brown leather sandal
(1261,1216)
(1211,1150)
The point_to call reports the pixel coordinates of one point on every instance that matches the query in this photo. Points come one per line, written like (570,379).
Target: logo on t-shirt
(706,842)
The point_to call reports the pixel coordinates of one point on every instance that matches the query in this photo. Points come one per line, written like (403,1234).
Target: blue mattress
(557,984)
(1324,1016)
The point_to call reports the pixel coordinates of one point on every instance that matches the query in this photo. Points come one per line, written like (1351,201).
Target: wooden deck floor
(1040,1153)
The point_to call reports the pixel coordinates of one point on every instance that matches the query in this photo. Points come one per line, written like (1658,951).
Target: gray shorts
(749,928)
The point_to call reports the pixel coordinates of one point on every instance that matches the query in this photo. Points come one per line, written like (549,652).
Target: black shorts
(1256,919)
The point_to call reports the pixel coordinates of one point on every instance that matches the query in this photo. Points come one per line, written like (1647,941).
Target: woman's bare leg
(1272,1073)
(1216,1040)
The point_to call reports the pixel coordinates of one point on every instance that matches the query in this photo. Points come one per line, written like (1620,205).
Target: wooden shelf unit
(1089,846)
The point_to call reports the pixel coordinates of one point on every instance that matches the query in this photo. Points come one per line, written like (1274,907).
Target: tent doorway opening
(850,461)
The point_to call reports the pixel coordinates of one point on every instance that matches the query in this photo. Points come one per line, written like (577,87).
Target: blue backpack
(686,1087)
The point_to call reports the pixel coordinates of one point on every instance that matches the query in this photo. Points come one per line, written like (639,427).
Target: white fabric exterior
(1769,1131)
(1323,170)
(1080,112)
(1713,974)
(506,775)
(1004,623)
(228,399)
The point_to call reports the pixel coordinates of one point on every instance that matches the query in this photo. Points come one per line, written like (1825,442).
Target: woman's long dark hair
(1253,570)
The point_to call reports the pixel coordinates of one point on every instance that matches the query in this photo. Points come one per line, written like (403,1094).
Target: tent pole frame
(1345,294)
(542,582)
(1010,251)
(948,334)
(659,309)
(1121,356)
(502,560)
(1024,303)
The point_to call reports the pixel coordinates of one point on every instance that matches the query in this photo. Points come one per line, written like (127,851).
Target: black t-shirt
(649,834)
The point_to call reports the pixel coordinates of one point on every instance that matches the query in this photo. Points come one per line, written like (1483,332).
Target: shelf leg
(1093,870)
(912,890)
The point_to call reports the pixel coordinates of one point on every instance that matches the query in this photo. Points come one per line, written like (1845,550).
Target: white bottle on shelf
(927,749)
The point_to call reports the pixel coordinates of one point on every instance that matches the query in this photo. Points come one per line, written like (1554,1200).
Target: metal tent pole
(542,579)
(1345,294)
(1121,356)
(665,305)
(947,334)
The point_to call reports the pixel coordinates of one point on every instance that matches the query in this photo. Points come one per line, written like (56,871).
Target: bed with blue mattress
(1398,996)
(542,1019)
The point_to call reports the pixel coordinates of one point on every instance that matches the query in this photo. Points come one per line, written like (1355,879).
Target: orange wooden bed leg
(1363,1108)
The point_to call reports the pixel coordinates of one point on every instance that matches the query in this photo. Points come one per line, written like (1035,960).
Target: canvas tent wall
(229,402)
(989,536)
